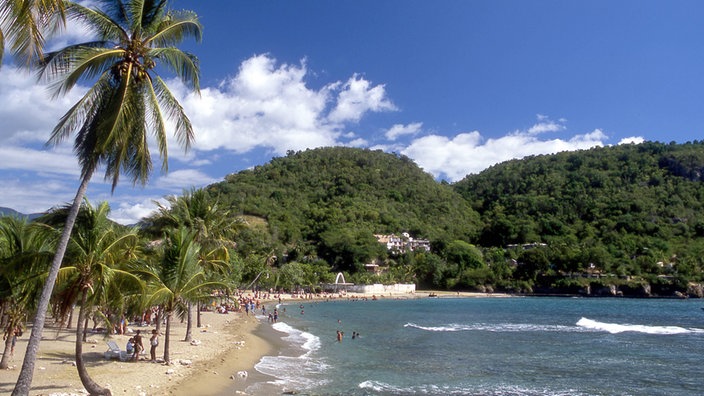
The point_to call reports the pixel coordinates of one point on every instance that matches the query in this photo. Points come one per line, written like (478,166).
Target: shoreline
(221,372)
(226,345)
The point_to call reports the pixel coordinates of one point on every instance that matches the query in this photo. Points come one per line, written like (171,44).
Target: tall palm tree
(114,118)
(178,277)
(25,254)
(23,24)
(92,268)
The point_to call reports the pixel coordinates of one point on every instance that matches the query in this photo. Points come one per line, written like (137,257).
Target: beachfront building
(402,244)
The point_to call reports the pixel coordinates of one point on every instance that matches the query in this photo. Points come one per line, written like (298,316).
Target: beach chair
(114,352)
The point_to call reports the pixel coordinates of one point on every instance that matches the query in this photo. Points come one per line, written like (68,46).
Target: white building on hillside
(403,244)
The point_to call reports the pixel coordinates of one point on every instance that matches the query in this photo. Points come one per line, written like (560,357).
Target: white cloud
(632,139)
(34,195)
(27,112)
(545,124)
(401,130)
(184,179)
(357,98)
(270,106)
(455,157)
(131,212)
(27,159)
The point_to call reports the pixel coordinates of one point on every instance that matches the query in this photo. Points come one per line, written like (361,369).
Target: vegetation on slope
(332,199)
(623,210)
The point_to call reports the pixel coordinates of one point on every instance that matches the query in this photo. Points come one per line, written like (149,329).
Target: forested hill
(614,203)
(624,210)
(329,193)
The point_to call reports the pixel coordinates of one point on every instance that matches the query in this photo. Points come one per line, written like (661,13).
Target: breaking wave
(615,328)
(498,327)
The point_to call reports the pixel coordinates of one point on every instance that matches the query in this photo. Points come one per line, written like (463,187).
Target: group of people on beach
(135,345)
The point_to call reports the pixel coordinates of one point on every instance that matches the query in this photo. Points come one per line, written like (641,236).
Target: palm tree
(177,278)
(214,228)
(24,23)
(25,254)
(197,210)
(115,116)
(97,248)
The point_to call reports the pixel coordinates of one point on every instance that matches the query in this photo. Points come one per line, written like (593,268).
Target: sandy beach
(226,345)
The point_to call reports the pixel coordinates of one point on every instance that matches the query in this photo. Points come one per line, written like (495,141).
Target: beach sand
(227,345)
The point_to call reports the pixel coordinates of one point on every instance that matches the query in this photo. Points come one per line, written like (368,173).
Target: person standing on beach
(138,346)
(16,332)
(153,341)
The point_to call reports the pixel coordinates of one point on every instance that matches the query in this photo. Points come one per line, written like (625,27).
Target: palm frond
(26,23)
(174,111)
(104,26)
(2,44)
(181,63)
(177,26)
(125,147)
(156,122)
(147,13)
(83,61)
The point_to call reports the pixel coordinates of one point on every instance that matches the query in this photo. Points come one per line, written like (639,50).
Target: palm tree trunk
(24,381)
(10,335)
(85,327)
(5,362)
(198,323)
(189,323)
(167,337)
(70,318)
(91,386)
(159,315)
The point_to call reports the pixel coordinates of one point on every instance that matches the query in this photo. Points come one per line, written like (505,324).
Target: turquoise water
(489,346)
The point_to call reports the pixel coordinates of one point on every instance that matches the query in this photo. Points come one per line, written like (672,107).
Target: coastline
(226,345)
(219,374)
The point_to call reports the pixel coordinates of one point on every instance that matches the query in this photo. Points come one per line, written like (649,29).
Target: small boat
(435,295)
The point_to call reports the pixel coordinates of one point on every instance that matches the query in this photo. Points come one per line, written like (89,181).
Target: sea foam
(297,372)
(615,328)
(379,387)
(498,327)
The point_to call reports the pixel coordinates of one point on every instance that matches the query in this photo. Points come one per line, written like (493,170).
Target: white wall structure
(381,289)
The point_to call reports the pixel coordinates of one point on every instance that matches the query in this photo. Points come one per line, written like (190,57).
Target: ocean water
(489,346)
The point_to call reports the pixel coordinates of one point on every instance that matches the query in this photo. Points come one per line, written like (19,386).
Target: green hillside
(319,197)
(628,209)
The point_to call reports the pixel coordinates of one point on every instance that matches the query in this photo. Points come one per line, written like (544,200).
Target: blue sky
(456,85)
